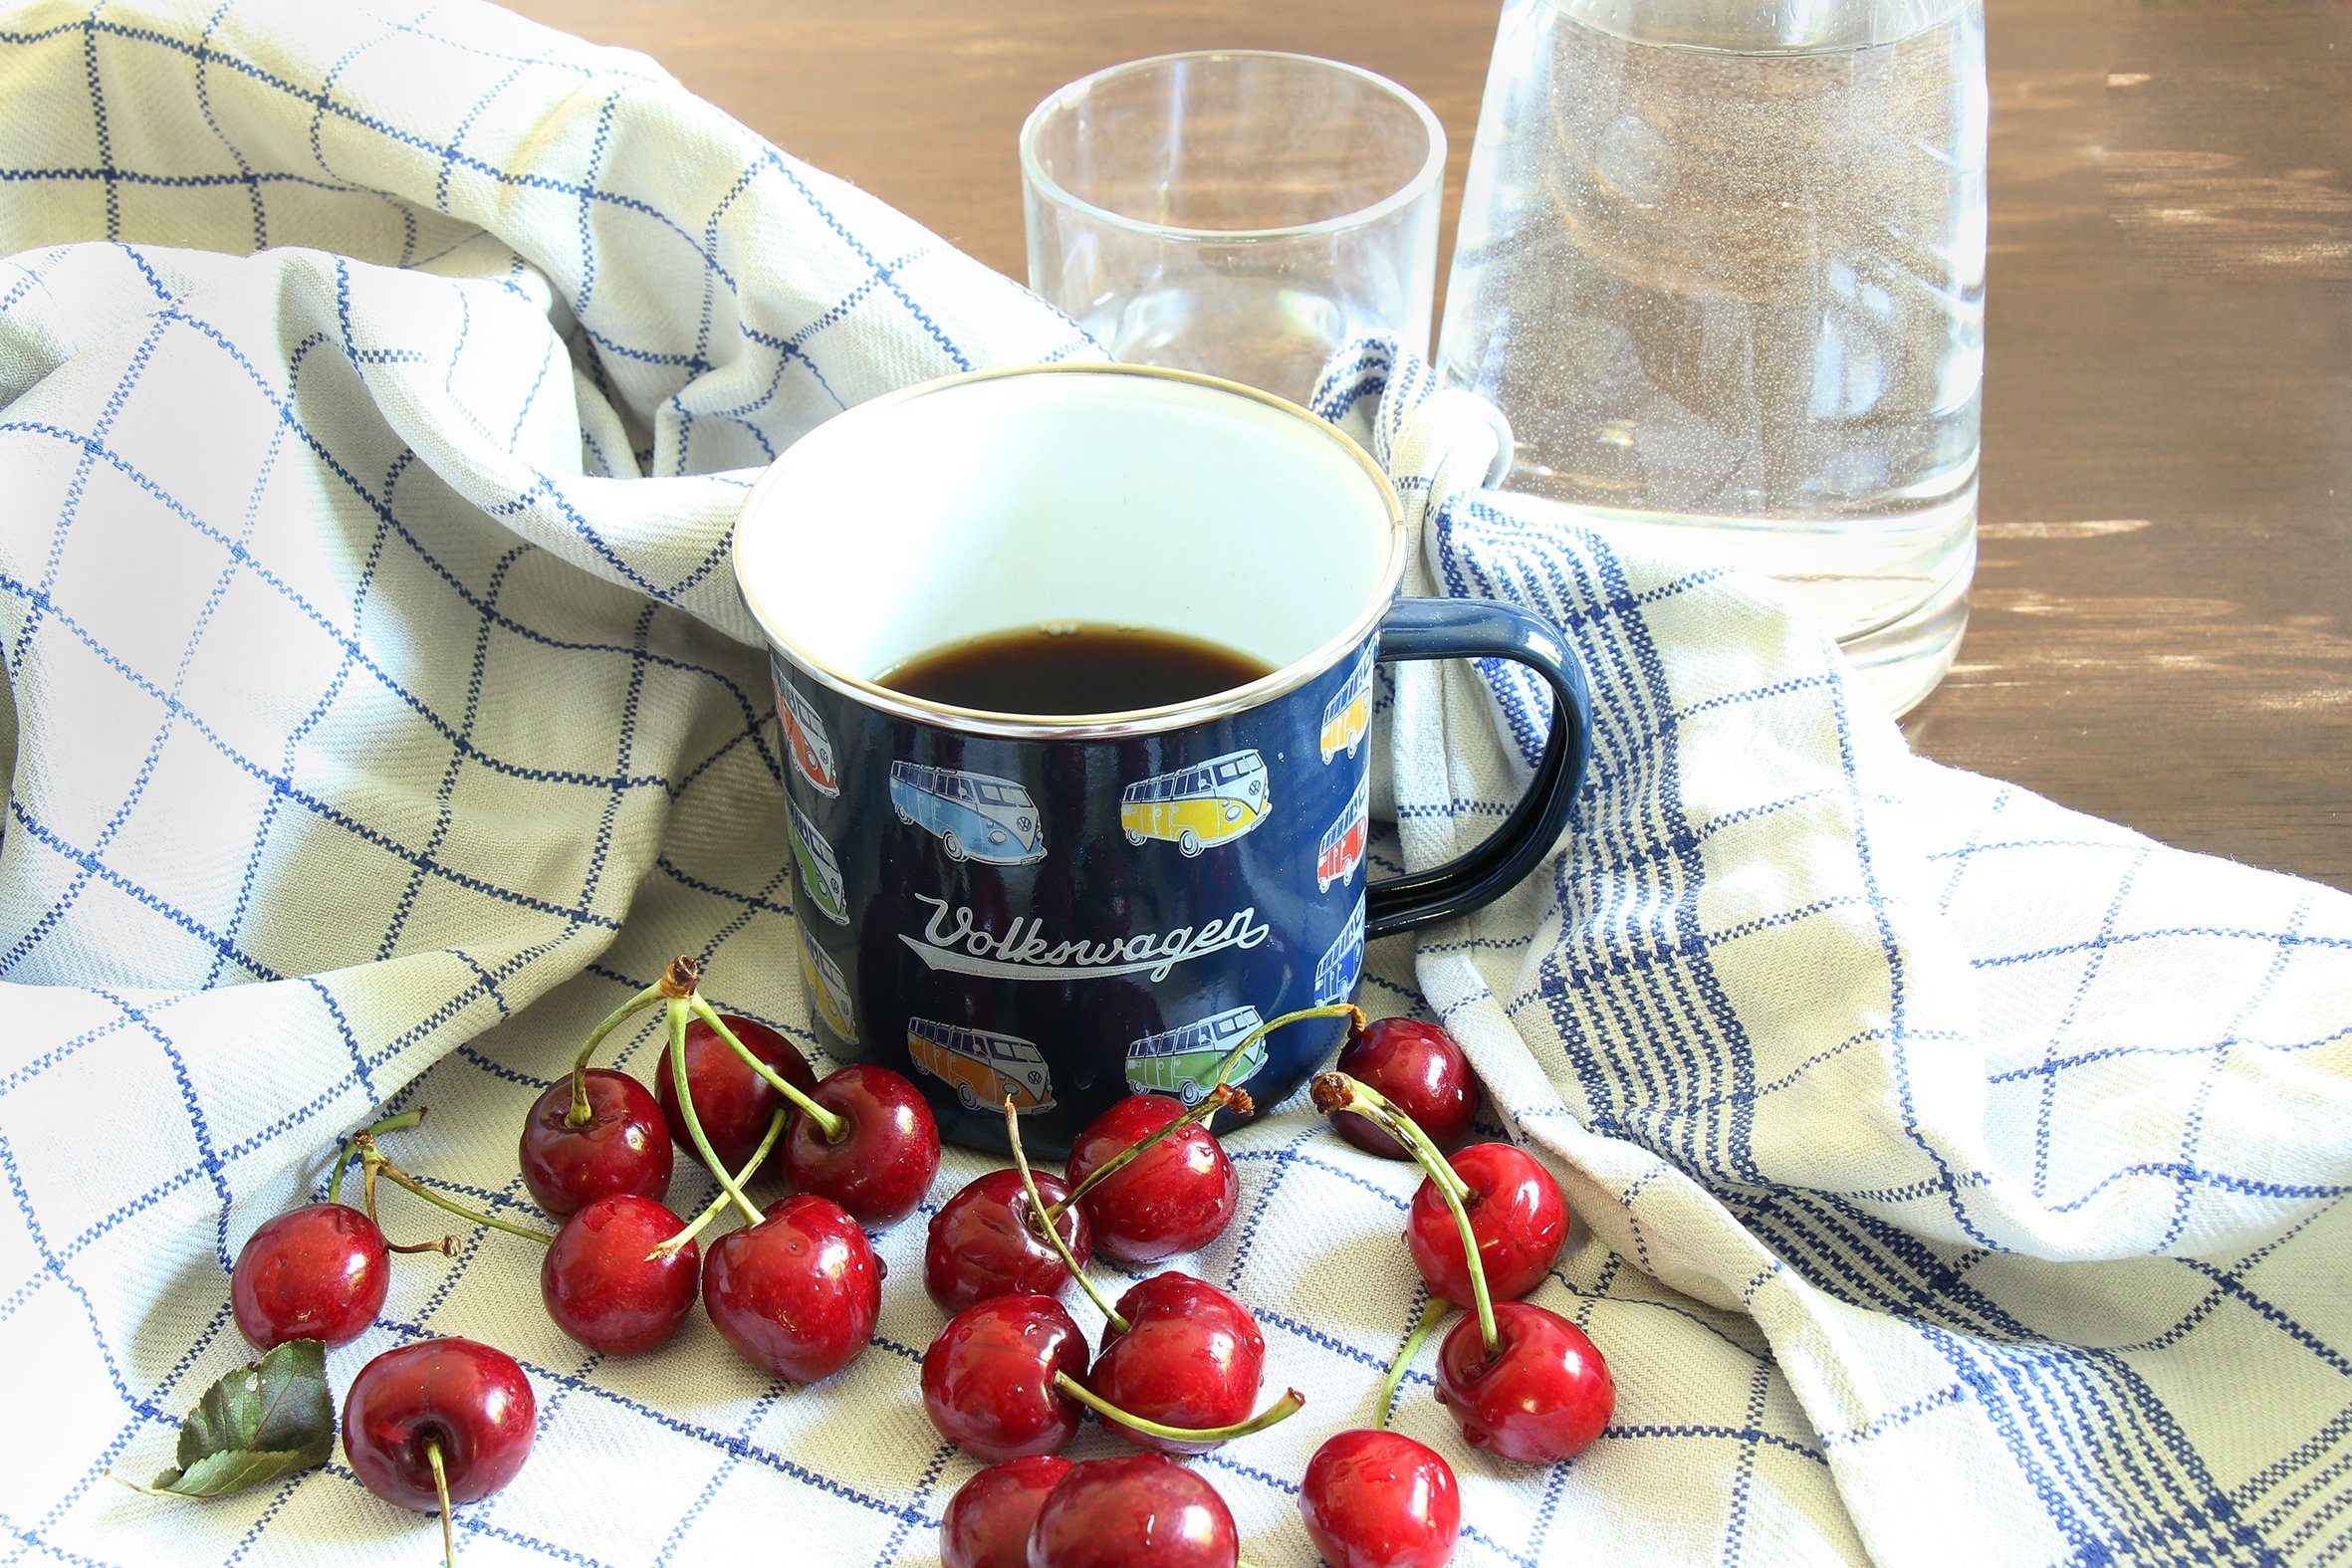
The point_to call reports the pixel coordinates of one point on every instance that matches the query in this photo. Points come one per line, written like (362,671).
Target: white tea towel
(1958,1175)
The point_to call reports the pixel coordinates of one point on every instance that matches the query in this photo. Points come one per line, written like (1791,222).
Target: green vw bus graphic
(975,816)
(1184,1062)
(985,1067)
(821,876)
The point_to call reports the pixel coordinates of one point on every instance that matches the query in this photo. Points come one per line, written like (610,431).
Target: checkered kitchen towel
(1959,1176)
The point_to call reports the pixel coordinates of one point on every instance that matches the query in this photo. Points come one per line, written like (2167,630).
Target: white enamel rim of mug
(1288,678)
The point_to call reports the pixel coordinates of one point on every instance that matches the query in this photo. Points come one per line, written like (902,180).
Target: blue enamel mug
(1063,909)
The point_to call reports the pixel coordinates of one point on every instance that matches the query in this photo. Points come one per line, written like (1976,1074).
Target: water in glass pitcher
(1723,267)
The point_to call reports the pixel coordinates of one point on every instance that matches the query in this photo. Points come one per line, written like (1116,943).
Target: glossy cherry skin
(471,1400)
(1191,1356)
(982,1244)
(987,1378)
(1421,1071)
(1546,1396)
(624,1148)
(1116,1513)
(1378,1499)
(315,1272)
(1176,1198)
(887,1153)
(799,1292)
(1516,1211)
(603,1286)
(733,1104)
(988,1522)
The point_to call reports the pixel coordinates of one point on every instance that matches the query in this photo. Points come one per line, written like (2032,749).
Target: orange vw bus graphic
(1350,712)
(983,1066)
(805,738)
(1342,848)
(827,991)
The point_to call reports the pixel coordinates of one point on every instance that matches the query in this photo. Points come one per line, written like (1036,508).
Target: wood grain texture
(2162,630)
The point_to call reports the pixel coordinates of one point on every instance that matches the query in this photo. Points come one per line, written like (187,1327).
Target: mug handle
(1483,629)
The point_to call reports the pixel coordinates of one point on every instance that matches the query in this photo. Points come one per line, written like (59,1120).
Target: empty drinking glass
(1238,212)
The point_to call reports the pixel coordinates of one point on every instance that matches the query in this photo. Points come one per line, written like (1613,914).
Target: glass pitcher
(1722,264)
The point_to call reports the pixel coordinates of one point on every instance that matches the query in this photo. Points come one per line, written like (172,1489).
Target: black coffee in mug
(1075,668)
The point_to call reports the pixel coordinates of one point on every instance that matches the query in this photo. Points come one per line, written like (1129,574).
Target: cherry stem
(1433,1312)
(678,1244)
(351,1147)
(1281,1409)
(1356,1025)
(579,1115)
(1337,1091)
(1036,1206)
(432,1456)
(678,1010)
(377,1165)
(447,1245)
(1219,1099)
(832,1124)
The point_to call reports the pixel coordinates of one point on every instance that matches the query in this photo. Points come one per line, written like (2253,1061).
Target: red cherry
(1516,1211)
(881,1163)
(625,1147)
(604,1285)
(1177,1197)
(1191,1356)
(1421,1071)
(1378,1499)
(986,1523)
(733,1104)
(1114,1513)
(799,1292)
(987,1378)
(459,1396)
(1545,1395)
(315,1272)
(982,1243)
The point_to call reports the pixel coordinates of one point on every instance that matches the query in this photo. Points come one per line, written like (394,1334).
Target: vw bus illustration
(1342,848)
(805,738)
(984,1067)
(1349,713)
(973,815)
(827,991)
(1193,807)
(820,875)
(1343,962)
(1184,1062)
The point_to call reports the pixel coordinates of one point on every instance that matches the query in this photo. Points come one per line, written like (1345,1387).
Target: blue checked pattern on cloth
(1959,1176)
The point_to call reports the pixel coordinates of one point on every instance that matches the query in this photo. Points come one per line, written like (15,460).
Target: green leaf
(254,1424)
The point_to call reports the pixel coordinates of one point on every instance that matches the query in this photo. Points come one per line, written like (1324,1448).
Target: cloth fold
(1957,1176)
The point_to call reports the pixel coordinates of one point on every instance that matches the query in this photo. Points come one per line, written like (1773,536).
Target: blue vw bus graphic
(1211,803)
(827,991)
(975,816)
(1342,848)
(1343,962)
(984,1067)
(1349,713)
(805,738)
(1184,1062)
(821,874)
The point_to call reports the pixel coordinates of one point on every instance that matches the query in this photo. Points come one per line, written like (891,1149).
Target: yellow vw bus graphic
(1194,807)
(821,874)
(827,991)
(1184,1062)
(983,1066)
(1350,712)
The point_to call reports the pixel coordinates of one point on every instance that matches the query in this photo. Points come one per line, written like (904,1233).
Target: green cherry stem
(579,1115)
(827,1122)
(1337,1010)
(1036,1206)
(679,1008)
(1337,1091)
(433,1455)
(351,1146)
(1223,1097)
(678,1244)
(1281,1409)
(1433,1312)
(377,1165)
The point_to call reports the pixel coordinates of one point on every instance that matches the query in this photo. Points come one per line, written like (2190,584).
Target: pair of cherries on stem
(1046,1512)
(1178,1372)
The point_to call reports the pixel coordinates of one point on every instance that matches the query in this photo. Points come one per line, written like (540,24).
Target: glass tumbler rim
(1408,191)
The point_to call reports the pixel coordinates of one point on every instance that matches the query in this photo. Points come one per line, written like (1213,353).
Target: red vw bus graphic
(1343,843)
(805,738)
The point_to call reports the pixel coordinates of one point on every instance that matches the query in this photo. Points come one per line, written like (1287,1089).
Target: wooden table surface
(2162,632)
